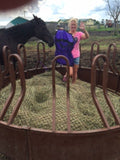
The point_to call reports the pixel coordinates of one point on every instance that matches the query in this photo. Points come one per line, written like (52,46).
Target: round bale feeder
(32,143)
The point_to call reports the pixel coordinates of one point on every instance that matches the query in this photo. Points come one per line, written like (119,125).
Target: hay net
(36,108)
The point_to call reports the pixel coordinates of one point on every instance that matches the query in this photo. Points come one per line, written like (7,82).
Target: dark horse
(22,33)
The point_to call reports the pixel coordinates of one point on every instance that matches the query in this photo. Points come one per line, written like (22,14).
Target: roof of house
(16,21)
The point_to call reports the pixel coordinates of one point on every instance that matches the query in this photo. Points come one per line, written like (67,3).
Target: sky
(53,10)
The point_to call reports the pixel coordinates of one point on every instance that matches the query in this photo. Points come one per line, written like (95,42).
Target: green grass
(33,45)
(100,28)
(103,41)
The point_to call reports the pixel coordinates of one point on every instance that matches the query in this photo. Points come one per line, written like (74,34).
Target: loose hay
(36,109)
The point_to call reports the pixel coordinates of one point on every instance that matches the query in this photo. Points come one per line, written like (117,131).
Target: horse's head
(42,32)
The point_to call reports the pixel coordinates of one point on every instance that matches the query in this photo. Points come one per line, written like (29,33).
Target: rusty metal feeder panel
(26,143)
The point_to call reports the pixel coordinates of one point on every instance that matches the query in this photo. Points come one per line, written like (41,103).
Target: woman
(76,52)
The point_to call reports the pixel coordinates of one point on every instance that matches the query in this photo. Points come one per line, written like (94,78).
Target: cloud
(99,12)
(53,10)
(56,9)
(99,9)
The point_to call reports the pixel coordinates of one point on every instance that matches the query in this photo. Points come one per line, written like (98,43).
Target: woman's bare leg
(70,73)
(75,70)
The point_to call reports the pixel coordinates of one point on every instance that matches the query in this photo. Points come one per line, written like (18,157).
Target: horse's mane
(20,27)
(24,27)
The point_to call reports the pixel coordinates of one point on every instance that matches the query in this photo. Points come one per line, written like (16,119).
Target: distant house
(64,22)
(90,22)
(109,23)
(16,21)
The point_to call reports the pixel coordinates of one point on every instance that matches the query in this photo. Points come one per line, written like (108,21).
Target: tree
(113,10)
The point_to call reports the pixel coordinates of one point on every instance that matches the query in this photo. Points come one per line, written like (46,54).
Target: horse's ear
(36,19)
(34,16)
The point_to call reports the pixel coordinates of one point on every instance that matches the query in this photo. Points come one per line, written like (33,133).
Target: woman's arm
(85,34)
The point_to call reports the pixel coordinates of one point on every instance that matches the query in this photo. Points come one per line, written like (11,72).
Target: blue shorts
(77,60)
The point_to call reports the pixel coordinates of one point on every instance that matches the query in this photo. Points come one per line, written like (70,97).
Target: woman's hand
(82,26)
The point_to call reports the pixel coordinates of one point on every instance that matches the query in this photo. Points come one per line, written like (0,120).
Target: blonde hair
(71,20)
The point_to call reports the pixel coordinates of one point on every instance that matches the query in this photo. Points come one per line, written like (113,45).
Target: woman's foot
(64,78)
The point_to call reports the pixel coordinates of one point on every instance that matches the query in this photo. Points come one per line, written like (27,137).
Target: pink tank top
(76,51)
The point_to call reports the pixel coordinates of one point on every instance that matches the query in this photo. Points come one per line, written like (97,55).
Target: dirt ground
(84,58)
